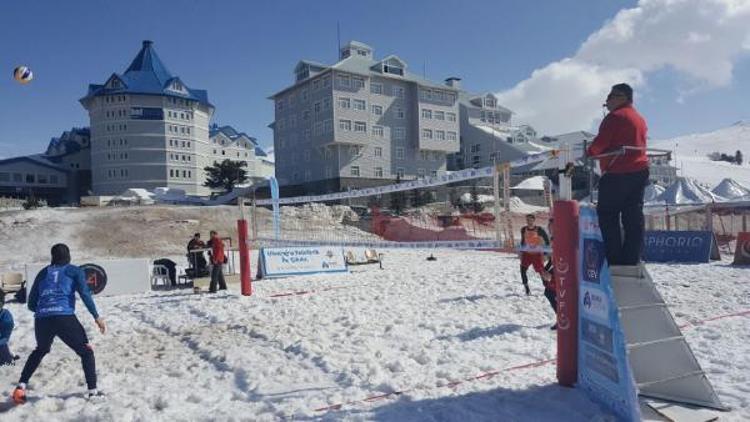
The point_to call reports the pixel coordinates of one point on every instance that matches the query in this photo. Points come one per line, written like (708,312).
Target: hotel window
(358,83)
(345,124)
(326,103)
(420,172)
(378,151)
(399,113)
(307,135)
(345,102)
(184,173)
(29,178)
(378,171)
(426,133)
(398,91)
(355,150)
(400,172)
(317,107)
(360,105)
(17,177)
(306,115)
(400,153)
(435,156)
(376,88)
(424,155)
(4,177)
(426,113)
(377,131)
(399,133)
(439,115)
(433,173)
(328,126)
(440,135)
(345,81)
(329,172)
(316,84)
(360,127)
(377,110)
(451,136)
(354,171)
(318,128)
(304,94)
(451,117)
(326,82)
(482,116)
(53,179)
(329,153)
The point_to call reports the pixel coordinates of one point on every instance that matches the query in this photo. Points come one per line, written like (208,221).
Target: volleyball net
(466,209)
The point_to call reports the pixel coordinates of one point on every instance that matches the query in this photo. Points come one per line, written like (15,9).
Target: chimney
(453,82)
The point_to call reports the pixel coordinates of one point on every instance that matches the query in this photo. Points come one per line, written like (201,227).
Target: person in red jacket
(217,260)
(532,237)
(624,177)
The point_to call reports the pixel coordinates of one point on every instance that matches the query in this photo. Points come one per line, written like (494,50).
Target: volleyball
(23,74)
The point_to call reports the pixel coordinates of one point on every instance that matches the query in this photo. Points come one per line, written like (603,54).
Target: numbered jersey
(57,291)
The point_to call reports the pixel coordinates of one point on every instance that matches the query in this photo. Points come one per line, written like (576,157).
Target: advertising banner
(603,368)
(275,262)
(678,246)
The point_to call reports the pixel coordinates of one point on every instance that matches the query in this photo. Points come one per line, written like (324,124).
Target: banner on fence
(276,262)
(603,368)
(679,246)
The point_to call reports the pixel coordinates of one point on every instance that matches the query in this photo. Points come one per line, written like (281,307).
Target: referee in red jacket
(624,177)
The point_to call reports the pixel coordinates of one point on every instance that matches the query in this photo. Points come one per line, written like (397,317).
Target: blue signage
(678,246)
(603,368)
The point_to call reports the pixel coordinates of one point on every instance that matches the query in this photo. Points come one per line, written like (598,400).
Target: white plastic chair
(160,275)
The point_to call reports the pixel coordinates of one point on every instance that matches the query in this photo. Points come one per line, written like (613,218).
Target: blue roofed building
(149,129)
(228,143)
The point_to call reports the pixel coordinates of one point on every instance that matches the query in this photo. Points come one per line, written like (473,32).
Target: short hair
(531,215)
(197,235)
(213,232)
(60,254)
(624,89)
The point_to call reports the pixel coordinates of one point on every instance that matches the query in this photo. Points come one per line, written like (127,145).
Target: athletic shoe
(528,291)
(19,395)
(95,395)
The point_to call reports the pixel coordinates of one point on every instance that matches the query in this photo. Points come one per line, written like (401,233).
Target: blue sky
(243,51)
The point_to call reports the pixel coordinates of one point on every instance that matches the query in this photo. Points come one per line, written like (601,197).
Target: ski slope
(691,154)
(450,340)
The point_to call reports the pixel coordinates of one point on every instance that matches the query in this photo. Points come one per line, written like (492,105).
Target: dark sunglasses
(613,95)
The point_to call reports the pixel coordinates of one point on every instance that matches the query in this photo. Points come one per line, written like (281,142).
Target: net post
(565,252)
(496,191)
(244,249)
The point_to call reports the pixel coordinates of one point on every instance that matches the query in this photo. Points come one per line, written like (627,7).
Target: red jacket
(217,251)
(621,127)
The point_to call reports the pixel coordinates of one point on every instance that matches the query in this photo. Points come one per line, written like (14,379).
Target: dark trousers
(621,201)
(551,298)
(6,357)
(71,332)
(217,276)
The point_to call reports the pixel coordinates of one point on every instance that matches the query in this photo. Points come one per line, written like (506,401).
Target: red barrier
(247,288)
(742,250)
(565,255)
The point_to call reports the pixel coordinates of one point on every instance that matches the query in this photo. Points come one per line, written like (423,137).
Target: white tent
(731,189)
(532,183)
(687,191)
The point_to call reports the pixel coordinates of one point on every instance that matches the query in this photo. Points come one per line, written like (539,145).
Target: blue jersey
(53,292)
(6,326)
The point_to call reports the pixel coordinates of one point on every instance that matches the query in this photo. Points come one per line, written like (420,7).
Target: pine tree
(225,175)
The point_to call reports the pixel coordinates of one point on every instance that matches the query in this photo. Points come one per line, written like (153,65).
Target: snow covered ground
(409,342)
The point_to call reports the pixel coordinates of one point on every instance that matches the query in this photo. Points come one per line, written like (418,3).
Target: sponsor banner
(275,262)
(603,369)
(678,246)
(109,277)
(382,244)
(742,251)
(457,176)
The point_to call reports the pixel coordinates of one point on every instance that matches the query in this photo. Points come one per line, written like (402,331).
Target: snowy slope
(690,154)
(428,331)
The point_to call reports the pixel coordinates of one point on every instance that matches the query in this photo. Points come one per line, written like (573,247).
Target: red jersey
(622,127)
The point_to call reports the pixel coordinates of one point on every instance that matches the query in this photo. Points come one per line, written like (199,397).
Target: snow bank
(532,183)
